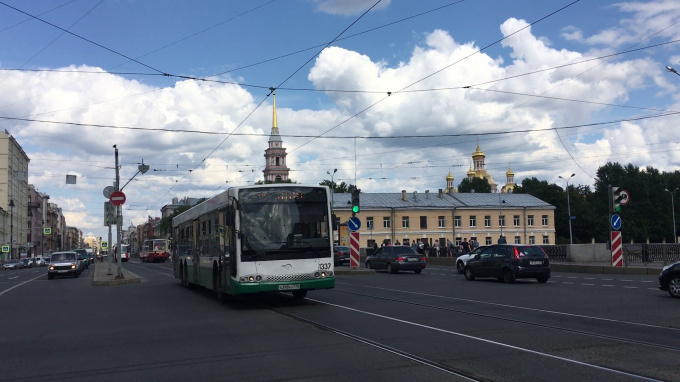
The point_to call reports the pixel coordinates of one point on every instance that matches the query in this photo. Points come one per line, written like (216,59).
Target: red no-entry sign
(117,198)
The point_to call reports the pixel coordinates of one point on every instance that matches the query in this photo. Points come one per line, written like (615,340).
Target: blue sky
(94,71)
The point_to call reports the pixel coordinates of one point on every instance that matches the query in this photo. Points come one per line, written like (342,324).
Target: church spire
(275,124)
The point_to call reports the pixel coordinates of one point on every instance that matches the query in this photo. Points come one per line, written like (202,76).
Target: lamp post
(571,241)
(675,235)
(11,228)
(332,183)
(501,221)
(670,69)
(332,193)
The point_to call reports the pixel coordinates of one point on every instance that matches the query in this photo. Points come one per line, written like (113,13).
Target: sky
(394,94)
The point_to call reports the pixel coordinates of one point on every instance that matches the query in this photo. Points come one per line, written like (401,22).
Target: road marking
(610,286)
(18,285)
(587,284)
(527,350)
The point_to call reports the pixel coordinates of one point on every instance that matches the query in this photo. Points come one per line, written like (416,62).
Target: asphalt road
(435,326)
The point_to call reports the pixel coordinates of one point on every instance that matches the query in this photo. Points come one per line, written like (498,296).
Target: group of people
(424,248)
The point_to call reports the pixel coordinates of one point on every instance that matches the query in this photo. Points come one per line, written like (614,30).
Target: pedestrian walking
(464,246)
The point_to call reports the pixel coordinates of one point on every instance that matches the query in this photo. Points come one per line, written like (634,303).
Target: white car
(462,259)
(40,261)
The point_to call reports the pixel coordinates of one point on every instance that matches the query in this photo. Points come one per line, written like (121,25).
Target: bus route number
(324,266)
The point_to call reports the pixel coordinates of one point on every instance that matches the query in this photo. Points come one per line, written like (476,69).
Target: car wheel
(542,280)
(461,267)
(417,271)
(390,269)
(300,294)
(508,277)
(469,275)
(368,265)
(674,286)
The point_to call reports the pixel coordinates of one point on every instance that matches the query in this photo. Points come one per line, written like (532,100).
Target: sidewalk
(101,276)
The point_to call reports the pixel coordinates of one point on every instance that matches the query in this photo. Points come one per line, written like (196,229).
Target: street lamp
(332,193)
(571,241)
(501,221)
(675,235)
(11,227)
(670,69)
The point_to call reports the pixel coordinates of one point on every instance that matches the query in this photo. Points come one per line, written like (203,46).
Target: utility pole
(119,219)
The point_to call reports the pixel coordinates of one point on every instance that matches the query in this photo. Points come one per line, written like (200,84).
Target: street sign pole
(119,219)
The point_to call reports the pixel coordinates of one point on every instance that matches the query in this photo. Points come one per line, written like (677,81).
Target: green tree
(339,188)
(166,222)
(479,185)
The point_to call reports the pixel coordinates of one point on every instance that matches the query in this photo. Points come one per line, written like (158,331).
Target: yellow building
(405,217)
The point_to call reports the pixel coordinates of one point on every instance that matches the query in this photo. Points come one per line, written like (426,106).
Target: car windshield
(64,257)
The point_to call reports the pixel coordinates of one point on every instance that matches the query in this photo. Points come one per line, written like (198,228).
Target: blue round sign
(354,223)
(616,221)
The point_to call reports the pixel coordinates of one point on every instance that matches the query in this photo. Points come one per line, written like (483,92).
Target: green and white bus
(257,239)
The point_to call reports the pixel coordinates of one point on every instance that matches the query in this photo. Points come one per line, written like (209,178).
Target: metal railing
(651,253)
(556,253)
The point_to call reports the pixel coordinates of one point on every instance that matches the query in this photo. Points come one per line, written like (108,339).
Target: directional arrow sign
(117,198)
(354,223)
(616,222)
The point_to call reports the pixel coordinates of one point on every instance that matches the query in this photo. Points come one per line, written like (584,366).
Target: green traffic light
(355,209)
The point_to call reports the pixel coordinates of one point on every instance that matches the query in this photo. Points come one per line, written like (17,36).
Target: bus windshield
(284,223)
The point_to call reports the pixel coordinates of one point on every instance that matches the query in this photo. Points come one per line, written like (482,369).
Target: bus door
(224,258)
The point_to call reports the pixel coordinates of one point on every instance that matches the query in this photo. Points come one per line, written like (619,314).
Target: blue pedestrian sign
(616,222)
(354,223)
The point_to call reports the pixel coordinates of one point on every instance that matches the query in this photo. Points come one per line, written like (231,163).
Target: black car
(508,262)
(396,258)
(669,279)
(340,255)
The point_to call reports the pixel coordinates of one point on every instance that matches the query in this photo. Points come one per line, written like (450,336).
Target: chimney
(441,193)
(175,200)
(415,196)
(403,195)
(427,194)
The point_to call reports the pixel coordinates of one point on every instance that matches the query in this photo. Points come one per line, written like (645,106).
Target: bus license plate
(289,287)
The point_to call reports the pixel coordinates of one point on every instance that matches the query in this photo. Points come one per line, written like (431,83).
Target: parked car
(396,258)
(508,262)
(462,259)
(64,264)
(669,279)
(340,255)
(13,264)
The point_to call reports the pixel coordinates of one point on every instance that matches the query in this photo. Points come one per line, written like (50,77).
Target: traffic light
(617,198)
(109,214)
(355,201)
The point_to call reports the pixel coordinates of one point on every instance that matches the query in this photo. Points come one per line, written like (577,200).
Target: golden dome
(449,177)
(510,173)
(478,152)
(470,172)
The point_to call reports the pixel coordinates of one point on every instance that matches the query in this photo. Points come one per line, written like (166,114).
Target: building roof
(433,200)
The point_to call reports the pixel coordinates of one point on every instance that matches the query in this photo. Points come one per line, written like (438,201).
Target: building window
(532,240)
(456,221)
(473,221)
(488,241)
(487,221)
(516,220)
(518,240)
(544,220)
(369,222)
(530,220)
(546,240)
(386,222)
(441,222)
(404,222)
(423,222)
(501,220)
